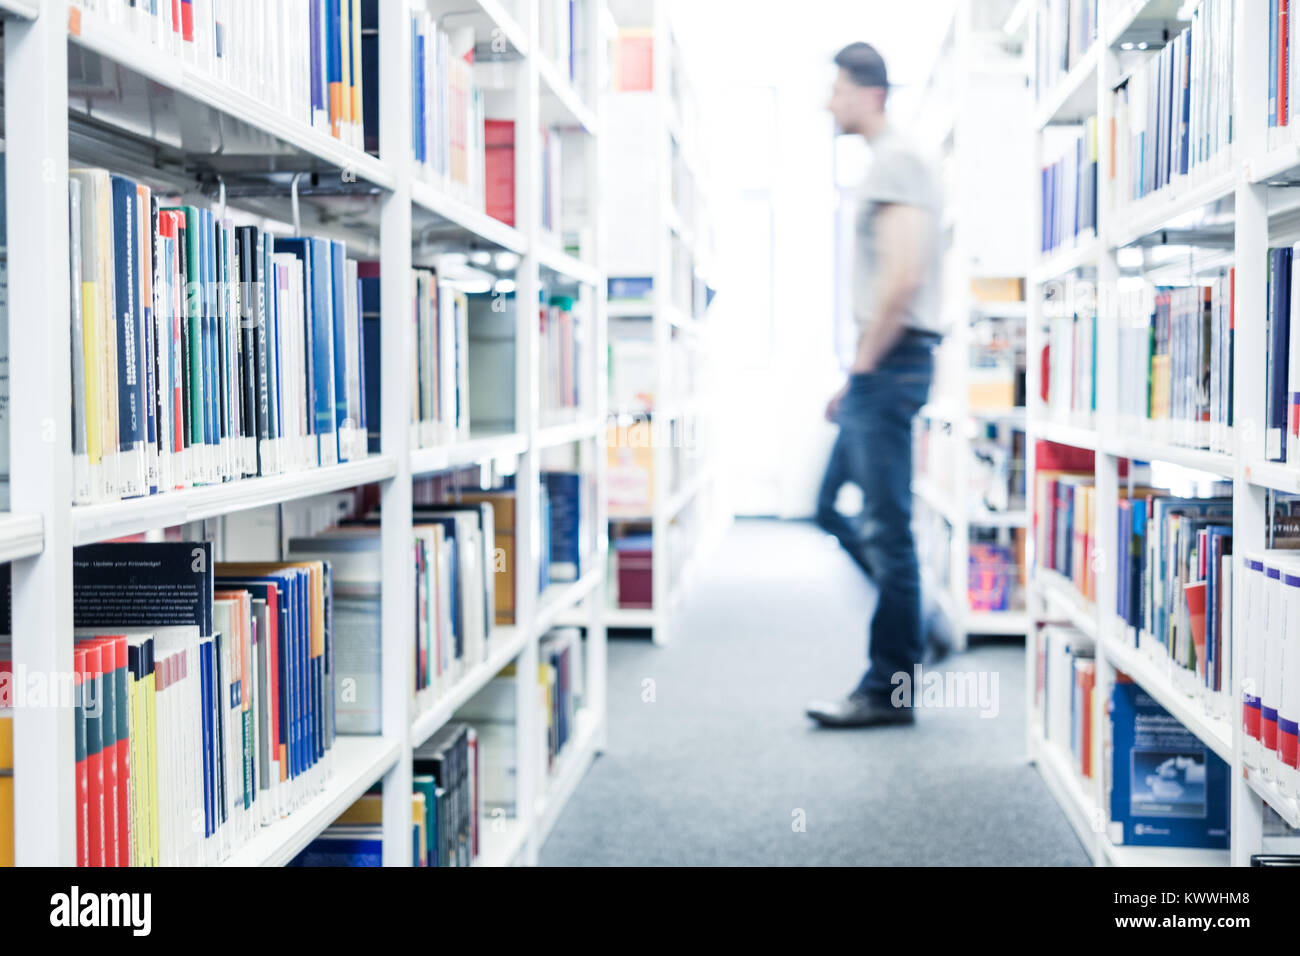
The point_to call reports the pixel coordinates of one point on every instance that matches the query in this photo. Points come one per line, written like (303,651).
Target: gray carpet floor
(722,766)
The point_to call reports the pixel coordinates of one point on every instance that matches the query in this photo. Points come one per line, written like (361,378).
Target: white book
(1273,664)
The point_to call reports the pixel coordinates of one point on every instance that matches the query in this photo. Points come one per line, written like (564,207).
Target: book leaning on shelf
(204,352)
(300,58)
(203,700)
(1068,383)
(560,679)
(1175,363)
(561,352)
(1173,112)
(439,361)
(1282,358)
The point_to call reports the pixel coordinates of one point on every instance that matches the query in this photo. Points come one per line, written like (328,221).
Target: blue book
(368,280)
(421,53)
(370,75)
(339,316)
(209,779)
(564,490)
(1277,366)
(364,422)
(314,27)
(211,355)
(1167,787)
(131,422)
(544,551)
(270,298)
(343,846)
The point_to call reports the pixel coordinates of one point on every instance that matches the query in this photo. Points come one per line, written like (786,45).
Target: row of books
(1064,509)
(1068,383)
(1068,190)
(439,361)
(562,348)
(1064,31)
(204,352)
(202,696)
(302,58)
(1066,692)
(1175,363)
(1270,607)
(1174,587)
(447,111)
(1174,110)
(994,580)
(446,805)
(560,689)
(1161,785)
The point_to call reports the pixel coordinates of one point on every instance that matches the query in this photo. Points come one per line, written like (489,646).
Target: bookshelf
(286,172)
(973,117)
(658,193)
(1227,211)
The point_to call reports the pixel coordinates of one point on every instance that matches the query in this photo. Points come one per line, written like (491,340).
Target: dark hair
(864,64)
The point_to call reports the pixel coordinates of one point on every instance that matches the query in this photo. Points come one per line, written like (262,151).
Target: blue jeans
(874,452)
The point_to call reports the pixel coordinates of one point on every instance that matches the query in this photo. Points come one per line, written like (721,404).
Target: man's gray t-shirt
(898,175)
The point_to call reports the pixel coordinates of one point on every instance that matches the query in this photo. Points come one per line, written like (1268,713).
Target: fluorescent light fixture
(506,261)
(504,286)
(480,257)
(1129,257)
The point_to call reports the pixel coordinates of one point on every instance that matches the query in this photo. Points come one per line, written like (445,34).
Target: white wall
(777,440)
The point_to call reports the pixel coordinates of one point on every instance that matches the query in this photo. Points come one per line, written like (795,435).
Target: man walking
(896,305)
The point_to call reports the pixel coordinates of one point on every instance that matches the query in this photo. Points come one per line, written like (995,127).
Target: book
(1064,31)
(1166,788)
(1068,189)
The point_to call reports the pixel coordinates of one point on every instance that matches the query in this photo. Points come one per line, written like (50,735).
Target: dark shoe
(859,710)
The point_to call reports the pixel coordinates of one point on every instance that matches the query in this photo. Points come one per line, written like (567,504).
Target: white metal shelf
(1062,595)
(1156,678)
(504,646)
(1274,474)
(1063,433)
(1147,215)
(500,841)
(21,536)
(1268,791)
(116,519)
(1082,253)
(1075,95)
(1199,459)
(988,623)
(554,259)
(21,9)
(572,762)
(563,434)
(475,223)
(479,448)
(111,41)
(358,764)
(1068,789)
(559,598)
(561,104)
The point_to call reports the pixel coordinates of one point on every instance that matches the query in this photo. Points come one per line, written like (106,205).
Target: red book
(1282,53)
(92,685)
(499,169)
(83,773)
(106,704)
(115,663)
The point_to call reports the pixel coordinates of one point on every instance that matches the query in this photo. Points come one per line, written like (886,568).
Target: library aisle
(718,754)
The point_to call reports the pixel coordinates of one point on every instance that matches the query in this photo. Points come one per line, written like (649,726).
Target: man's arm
(901,247)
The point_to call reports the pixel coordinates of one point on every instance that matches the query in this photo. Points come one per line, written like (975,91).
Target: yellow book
(151,765)
(420,819)
(91,334)
(368,810)
(6,787)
